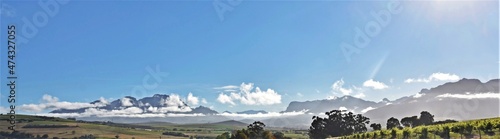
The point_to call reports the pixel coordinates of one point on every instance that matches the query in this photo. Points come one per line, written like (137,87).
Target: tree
(410,121)
(240,135)
(376,126)
(279,135)
(73,132)
(426,118)
(392,123)
(117,136)
(318,130)
(337,123)
(45,136)
(256,129)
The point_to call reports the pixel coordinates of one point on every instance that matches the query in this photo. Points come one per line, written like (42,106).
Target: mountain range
(461,100)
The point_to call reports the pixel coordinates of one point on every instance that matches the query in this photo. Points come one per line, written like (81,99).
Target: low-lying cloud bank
(471,96)
(132,112)
(50,102)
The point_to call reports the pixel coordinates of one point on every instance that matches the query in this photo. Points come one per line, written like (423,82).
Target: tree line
(348,125)
(253,131)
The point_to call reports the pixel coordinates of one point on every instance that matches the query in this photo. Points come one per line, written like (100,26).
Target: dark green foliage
(444,122)
(392,123)
(376,126)
(279,135)
(253,131)
(410,121)
(426,118)
(256,129)
(337,123)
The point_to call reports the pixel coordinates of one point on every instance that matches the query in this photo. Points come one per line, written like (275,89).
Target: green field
(107,130)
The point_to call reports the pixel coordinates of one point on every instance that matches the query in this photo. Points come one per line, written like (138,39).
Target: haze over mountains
(461,100)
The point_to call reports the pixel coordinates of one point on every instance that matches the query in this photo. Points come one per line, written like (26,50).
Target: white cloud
(204,101)
(169,109)
(471,96)
(227,88)
(174,100)
(300,94)
(434,77)
(367,109)
(126,102)
(266,115)
(359,95)
(192,99)
(250,95)
(375,84)
(331,97)
(342,108)
(223,98)
(4,110)
(418,95)
(103,101)
(49,99)
(135,114)
(132,112)
(338,87)
(50,103)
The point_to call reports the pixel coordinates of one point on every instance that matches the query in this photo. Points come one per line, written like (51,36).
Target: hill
(478,128)
(231,123)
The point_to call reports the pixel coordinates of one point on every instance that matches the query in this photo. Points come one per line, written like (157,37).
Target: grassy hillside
(63,128)
(480,128)
(45,125)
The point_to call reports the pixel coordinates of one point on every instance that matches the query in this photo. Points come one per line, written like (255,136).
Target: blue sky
(89,50)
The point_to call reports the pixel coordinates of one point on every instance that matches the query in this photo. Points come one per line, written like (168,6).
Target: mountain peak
(469,80)
(386,100)
(130,97)
(160,96)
